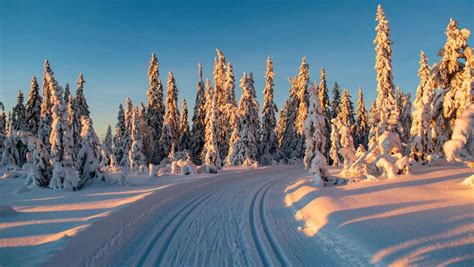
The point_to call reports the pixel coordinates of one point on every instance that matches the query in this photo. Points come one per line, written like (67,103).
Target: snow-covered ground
(426,218)
(43,221)
(243,217)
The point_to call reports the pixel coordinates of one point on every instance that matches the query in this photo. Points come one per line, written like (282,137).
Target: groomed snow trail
(233,219)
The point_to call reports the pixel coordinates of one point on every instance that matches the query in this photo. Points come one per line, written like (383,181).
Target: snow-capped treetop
(170,132)
(230,85)
(268,141)
(198,120)
(361,122)
(347,109)
(19,114)
(185,135)
(82,107)
(108,140)
(453,50)
(336,100)
(323,94)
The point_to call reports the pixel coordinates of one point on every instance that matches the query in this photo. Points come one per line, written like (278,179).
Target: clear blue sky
(111,42)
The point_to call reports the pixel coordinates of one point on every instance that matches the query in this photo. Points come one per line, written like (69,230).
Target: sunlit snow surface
(426,218)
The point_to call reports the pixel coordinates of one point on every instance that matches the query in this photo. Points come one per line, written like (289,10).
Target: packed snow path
(236,218)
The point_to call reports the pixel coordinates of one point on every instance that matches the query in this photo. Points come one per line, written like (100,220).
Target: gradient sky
(111,43)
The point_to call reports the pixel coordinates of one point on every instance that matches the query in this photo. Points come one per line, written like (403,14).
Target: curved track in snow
(235,218)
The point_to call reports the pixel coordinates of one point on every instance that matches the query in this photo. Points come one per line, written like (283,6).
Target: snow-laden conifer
(46,118)
(303,81)
(155,108)
(245,135)
(185,134)
(361,130)
(336,100)
(18,114)
(127,142)
(387,116)
(314,159)
(210,152)
(39,172)
(88,158)
(3,120)
(82,108)
(170,132)
(420,132)
(346,115)
(33,107)
(288,133)
(268,138)
(325,109)
(335,144)
(136,157)
(198,120)
(61,140)
(108,141)
(119,136)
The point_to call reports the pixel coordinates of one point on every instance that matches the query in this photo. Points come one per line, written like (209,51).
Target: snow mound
(469,181)
(22,189)
(7,210)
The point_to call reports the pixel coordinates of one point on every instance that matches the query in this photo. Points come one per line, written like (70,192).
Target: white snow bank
(469,181)
(425,218)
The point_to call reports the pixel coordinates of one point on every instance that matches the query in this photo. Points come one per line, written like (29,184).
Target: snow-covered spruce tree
(210,152)
(88,158)
(346,115)
(155,108)
(170,132)
(460,147)
(128,132)
(3,120)
(81,103)
(18,114)
(404,109)
(64,173)
(10,155)
(420,132)
(46,118)
(19,123)
(244,142)
(361,129)
(314,159)
(448,72)
(33,107)
(335,144)
(387,116)
(108,143)
(74,124)
(325,109)
(268,138)
(40,169)
(199,116)
(288,131)
(227,109)
(303,81)
(148,144)
(8,124)
(136,157)
(336,100)
(67,93)
(185,134)
(120,131)
(346,150)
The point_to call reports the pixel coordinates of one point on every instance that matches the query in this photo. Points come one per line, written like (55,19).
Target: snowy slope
(44,220)
(425,218)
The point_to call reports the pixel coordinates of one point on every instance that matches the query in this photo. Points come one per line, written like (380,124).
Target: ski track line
(186,211)
(271,239)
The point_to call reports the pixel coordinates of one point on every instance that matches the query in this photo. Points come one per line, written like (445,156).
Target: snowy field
(246,217)
(426,218)
(44,220)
